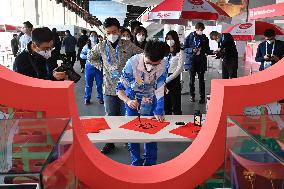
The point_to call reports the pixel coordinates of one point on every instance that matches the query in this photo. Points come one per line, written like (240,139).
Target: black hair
(155,50)
(199,26)
(134,24)
(111,22)
(269,33)
(54,30)
(28,24)
(123,29)
(93,32)
(84,32)
(15,35)
(213,34)
(175,37)
(42,35)
(67,31)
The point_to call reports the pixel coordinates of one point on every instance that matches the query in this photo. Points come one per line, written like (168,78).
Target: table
(117,135)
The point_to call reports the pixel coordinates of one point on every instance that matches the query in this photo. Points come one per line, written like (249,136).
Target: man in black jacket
(196,47)
(228,52)
(82,41)
(15,45)
(270,51)
(57,44)
(35,61)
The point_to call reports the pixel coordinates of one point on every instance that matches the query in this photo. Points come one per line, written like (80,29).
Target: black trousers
(71,57)
(173,98)
(201,83)
(230,68)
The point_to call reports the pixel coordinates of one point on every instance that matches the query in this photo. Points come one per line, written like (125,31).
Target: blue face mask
(93,38)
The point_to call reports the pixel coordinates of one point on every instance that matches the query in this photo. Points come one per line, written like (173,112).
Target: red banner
(268,11)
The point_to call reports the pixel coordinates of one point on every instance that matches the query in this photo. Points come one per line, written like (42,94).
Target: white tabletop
(116,134)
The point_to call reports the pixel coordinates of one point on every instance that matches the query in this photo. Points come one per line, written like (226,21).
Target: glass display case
(31,151)
(254,156)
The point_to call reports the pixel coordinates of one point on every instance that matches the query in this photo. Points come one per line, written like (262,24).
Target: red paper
(149,126)
(94,125)
(189,130)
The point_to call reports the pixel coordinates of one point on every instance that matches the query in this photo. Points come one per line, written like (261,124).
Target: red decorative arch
(192,167)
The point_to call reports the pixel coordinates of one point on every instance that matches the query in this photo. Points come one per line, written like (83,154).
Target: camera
(67,67)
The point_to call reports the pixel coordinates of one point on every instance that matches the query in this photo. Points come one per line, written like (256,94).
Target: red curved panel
(192,167)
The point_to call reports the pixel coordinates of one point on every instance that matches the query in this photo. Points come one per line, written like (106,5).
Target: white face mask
(171,42)
(112,38)
(45,54)
(149,67)
(270,41)
(125,38)
(140,38)
(199,32)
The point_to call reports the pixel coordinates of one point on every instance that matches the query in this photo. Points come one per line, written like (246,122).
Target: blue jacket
(261,52)
(69,42)
(85,52)
(193,61)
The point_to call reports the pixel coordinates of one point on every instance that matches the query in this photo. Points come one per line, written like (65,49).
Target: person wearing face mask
(227,51)
(26,37)
(134,25)
(196,47)
(270,51)
(94,38)
(36,61)
(82,40)
(126,34)
(174,65)
(140,37)
(141,88)
(114,53)
(91,74)
(69,42)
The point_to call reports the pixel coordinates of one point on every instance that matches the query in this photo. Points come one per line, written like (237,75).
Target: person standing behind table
(114,52)
(174,65)
(196,47)
(26,37)
(82,40)
(228,52)
(140,37)
(57,44)
(69,42)
(142,87)
(270,51)
(91,73)
(15,45)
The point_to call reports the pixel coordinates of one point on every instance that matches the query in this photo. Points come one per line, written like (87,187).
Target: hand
(166,90)
(216,52)
(266,57)
(59,75)
(133,104)
(195,50)
(159,118)
(275,58)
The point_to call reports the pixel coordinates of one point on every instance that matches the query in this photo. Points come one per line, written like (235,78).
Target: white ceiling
(141,3)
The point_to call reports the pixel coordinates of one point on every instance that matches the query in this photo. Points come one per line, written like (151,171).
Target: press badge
(267,64)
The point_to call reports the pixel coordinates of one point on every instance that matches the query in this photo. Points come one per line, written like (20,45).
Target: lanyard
(272,48)
(197,44)
(168,62)
(47,71)
(222,39)
(116,53)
